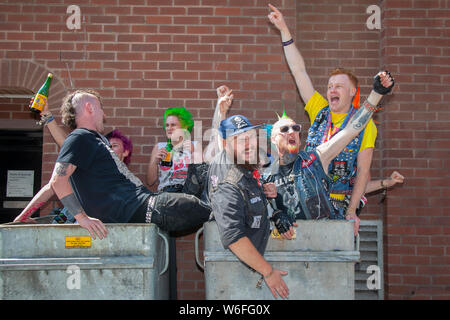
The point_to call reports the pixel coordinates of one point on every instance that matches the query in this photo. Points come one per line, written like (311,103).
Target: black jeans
(175,212)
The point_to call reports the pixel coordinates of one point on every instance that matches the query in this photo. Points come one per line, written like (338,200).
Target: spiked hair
(283,116)
(183,115)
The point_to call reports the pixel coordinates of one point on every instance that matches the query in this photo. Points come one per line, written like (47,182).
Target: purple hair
(127,144)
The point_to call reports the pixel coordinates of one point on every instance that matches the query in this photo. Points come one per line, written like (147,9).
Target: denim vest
(342,169)
(312,184)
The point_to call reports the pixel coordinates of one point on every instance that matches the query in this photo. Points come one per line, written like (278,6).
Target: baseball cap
(235,125)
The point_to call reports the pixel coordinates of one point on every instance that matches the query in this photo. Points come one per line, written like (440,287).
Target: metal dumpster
(320,264)
(64,262)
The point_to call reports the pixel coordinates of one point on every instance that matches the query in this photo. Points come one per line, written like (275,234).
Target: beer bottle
(167,161)
(41,95)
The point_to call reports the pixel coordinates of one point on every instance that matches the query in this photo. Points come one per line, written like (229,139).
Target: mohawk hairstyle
(183,115)
(283,116)
(68,109)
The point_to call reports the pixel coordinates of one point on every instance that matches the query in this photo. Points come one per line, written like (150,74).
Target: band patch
(256,222)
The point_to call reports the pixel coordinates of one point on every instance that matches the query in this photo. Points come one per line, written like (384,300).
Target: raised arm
(293,57)
(58,134)
(329,150)
(224,100)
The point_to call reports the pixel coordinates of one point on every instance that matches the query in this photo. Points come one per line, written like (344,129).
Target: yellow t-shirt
(317,103)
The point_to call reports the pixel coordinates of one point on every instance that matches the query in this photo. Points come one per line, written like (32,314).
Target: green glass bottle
(167,161)
(41,95)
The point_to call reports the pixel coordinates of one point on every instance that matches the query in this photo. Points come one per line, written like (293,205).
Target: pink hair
(127,144)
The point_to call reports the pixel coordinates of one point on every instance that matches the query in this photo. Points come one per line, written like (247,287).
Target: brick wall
(144,56)
(415,46)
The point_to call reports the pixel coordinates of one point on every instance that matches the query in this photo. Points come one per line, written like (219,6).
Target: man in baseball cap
(238,200)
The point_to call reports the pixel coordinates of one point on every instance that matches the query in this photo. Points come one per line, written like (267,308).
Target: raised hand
(276,18)
(394,179)
(383,82)
(224,99)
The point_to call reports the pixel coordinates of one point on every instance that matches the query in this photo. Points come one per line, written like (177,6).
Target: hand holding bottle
(40,99)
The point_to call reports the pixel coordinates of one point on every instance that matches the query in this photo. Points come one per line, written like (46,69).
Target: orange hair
(354,80)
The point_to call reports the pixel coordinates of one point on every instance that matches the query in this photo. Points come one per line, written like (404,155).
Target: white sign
(20,183)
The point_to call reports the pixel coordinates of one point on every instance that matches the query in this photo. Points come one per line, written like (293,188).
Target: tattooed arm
(63,189)
(37,202)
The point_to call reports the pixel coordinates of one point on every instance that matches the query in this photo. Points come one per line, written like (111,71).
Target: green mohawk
(283,116)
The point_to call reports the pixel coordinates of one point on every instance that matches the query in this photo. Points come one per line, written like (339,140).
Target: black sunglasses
(295,127)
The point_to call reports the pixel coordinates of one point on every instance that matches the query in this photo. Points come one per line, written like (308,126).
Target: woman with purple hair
(121,145)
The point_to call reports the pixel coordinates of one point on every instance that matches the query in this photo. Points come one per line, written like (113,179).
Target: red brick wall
(14,108)
(144,56)
(415,46)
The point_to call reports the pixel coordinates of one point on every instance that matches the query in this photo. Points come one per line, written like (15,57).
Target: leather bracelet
(383,186)
(286,43)
(370,106)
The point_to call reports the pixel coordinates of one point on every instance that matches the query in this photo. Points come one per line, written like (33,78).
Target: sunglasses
(295,128)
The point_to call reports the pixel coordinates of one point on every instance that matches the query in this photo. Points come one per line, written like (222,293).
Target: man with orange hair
(350,170)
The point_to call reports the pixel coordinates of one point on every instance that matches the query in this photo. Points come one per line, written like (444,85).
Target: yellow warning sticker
(78,242)
(276,235)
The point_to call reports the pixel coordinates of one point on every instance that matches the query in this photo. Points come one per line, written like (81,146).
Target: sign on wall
(20,183)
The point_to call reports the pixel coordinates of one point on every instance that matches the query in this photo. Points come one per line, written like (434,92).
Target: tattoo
(61,168)
(361,118)
(32,210)
(288,158)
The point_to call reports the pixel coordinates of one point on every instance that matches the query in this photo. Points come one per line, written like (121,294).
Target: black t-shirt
(288,199)
(105,187)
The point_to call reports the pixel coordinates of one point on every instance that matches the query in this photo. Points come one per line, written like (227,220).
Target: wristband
(286,43)
(71,203)
(49,119)
(370,106)
(46,118)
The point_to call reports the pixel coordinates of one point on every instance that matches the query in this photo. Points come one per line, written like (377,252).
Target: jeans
(177,211)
